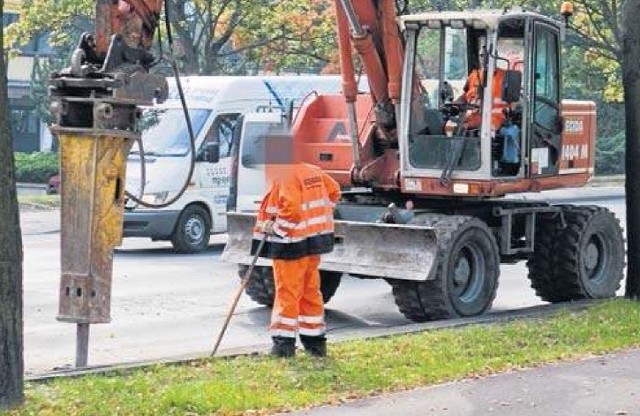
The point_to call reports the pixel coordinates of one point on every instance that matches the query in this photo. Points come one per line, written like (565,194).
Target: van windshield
(165,133)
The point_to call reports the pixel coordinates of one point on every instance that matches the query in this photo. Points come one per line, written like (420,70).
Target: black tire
(192,231)
(466,276)
(585,260)
(261,288)
(329,282)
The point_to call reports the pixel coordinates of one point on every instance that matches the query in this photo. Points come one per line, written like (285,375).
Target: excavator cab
(460,125)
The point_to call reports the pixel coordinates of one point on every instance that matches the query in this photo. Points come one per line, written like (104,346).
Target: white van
(214,103)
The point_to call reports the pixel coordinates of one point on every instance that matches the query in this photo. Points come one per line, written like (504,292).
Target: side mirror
(211,152)
(247,161)
(511,86)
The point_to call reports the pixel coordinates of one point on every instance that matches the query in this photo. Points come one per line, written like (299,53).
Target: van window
(222,132)
(165,133)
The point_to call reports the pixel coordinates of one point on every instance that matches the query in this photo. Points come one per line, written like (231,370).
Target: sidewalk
(606,385)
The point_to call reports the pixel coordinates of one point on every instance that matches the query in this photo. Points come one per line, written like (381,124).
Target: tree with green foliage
(211,36)
(11,324)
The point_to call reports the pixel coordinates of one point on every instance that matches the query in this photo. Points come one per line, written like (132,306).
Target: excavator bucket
(370,249)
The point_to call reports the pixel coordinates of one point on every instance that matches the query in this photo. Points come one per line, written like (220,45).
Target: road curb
(29,185)
(533,312)
(37,207)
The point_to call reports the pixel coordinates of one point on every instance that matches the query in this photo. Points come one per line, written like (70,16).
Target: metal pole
(353,135)
(356,28)
(82,345)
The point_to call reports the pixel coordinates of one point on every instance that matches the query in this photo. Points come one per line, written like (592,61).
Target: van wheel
(192,230)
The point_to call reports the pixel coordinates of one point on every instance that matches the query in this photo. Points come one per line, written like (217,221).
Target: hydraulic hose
(192,139)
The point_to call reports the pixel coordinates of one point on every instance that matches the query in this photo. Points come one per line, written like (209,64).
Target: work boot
(283,347)
(315,346)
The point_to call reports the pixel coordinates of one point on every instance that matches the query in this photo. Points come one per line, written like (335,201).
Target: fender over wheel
(261,288)
(584,260)
(466,276)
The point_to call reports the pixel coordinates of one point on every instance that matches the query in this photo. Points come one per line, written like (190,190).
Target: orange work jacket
(301,202)
(473,90)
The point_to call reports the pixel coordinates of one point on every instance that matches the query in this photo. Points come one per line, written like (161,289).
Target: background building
(29,132)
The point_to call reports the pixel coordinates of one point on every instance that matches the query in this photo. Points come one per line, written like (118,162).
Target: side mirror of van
(211,152)
(511,86)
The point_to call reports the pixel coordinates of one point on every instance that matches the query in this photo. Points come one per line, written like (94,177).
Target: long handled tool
(245,281)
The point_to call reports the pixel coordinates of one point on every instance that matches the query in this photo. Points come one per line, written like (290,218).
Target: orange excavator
(424,204)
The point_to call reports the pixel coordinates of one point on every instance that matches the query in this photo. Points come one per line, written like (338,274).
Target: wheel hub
(467,276)
(596,258)
(194,229)
(592,256)
(462,273)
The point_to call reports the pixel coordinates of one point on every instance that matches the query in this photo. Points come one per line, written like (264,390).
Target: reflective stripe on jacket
(301,203)
(473,89)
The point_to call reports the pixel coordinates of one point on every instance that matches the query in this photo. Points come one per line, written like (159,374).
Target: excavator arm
(122,40)
(370,27)
(137,20)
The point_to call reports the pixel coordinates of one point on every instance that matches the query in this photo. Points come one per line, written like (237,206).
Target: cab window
(546,78)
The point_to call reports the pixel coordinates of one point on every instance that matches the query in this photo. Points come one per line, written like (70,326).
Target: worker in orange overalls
(473,95)
(296,215)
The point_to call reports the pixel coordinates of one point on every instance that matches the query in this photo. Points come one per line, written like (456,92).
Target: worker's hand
(267,228)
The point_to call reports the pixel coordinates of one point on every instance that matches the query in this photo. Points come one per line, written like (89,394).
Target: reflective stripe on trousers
(298,305)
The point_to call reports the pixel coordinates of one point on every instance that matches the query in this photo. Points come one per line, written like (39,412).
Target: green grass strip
(259,385)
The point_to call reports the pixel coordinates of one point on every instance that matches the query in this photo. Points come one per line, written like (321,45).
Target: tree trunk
(631,82)
(11,361)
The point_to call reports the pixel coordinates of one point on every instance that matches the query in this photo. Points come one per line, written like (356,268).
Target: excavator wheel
(466,276)
(261,288)
(585,260)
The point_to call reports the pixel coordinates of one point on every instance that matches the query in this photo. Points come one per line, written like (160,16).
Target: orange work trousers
(298,306)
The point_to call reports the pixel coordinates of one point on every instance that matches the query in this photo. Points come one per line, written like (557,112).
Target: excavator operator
(473,95)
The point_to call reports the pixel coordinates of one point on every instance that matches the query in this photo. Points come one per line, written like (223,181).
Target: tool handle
(243,285)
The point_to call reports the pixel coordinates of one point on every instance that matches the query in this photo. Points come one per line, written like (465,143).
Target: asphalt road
(171,305)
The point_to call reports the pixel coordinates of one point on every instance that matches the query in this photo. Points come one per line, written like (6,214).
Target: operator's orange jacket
(301,202)
(472,93)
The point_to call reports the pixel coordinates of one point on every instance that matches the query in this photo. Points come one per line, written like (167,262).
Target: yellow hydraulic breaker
(92,193)
(96,124)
